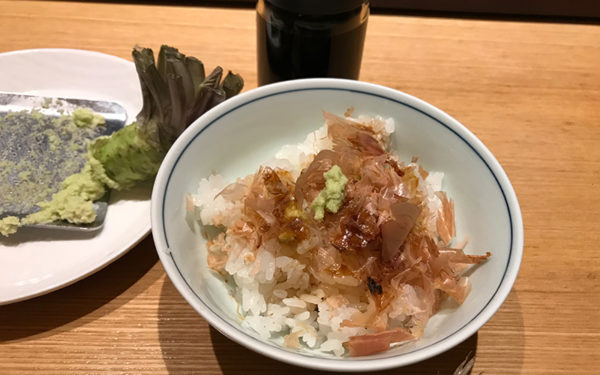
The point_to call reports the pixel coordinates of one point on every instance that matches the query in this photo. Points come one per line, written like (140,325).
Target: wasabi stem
(175,91)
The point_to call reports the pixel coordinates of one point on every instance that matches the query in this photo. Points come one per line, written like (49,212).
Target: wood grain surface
(529,91)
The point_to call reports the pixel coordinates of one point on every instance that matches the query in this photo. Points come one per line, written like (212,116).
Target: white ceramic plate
(32,264)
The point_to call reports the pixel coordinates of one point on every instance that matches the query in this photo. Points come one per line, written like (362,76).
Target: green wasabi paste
(74,202)
(43,156)
(333,194)
(9,225)
(84,117)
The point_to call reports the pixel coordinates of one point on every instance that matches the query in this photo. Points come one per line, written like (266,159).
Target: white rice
(275,294)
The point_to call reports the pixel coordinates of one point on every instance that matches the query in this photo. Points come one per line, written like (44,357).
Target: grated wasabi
(333,194)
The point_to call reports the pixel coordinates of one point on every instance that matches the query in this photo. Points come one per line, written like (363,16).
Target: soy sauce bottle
(310,38)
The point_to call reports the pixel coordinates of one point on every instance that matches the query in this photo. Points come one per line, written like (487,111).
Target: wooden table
(529,90)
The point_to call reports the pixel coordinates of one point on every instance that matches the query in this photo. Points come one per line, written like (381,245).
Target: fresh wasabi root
(175,92)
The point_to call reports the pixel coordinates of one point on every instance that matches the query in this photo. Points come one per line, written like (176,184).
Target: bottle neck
(308,23)
(317,7)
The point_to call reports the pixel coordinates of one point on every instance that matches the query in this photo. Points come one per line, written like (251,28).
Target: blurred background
(584,10)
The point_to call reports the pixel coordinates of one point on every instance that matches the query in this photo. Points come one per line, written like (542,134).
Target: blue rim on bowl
(161,238)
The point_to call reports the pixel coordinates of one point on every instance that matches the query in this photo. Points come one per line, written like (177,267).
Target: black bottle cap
(317,7)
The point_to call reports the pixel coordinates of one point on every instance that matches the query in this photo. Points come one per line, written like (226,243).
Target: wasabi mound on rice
(336,244)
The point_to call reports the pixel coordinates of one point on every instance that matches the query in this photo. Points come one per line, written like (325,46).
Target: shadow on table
(189,344)
(69,306)
(247,361)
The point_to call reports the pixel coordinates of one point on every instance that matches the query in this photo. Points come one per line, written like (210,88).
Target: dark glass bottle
(310,38)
